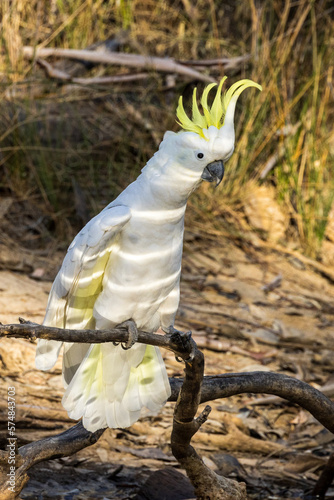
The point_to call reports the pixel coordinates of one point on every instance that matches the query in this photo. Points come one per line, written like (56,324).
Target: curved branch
(295,391)
(188,393)
(65,444)
(207,483)
(222,386)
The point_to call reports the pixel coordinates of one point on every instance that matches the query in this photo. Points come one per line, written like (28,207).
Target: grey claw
(133,334)
(181,339)
(131,327)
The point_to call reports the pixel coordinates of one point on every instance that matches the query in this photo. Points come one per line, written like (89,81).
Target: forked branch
(188,394)
(207,483)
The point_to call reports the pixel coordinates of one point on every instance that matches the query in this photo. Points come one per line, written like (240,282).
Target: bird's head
(207,140)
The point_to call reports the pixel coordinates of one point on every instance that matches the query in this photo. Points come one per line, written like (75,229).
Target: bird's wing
(79,281)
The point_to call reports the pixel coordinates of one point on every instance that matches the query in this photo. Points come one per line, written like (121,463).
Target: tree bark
(188,393)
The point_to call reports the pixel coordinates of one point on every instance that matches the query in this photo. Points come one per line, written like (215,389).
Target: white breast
(143,269)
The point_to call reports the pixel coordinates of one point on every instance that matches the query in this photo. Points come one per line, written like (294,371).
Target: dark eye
(200,156)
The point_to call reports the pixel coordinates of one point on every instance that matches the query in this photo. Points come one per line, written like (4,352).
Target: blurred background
(257,287)
(71,139)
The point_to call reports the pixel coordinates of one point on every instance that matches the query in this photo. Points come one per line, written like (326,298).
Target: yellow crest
(216,114)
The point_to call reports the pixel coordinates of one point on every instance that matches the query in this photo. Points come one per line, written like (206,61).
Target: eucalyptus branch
(63,445)
(207,483)
(221,386)
(163,64)
(33,331)
(188,393)
(289,388)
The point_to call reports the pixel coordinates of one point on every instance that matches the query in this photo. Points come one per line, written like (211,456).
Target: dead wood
(71,441)
(227,62)
(165,65)
(221,386)
(206,482)
(67,443)
(188,394)
(53,72)
(289,388)
(33,331)
(325,480)
(327,390)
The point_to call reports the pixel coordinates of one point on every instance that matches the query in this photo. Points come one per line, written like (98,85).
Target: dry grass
(54,137)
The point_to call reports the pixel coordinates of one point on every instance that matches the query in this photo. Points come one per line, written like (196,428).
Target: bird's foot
(181,339)
(131,327)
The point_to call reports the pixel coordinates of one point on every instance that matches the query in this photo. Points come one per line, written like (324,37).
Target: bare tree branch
(222,386)
(325,480)
(289,388)
(188,394)
(67,443)
(33,331)
(53,72)
(165,65)
(227,62)
(206,482)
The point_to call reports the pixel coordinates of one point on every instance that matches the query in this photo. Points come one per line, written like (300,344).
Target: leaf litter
(248,310)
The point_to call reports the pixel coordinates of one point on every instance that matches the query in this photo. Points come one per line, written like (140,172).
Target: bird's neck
(167,183)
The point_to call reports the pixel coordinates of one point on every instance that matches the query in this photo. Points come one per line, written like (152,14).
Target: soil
(250,307)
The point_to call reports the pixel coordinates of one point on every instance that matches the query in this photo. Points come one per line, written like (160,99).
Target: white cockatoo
(126,264)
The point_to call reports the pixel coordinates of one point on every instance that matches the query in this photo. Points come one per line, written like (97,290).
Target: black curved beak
(214,171)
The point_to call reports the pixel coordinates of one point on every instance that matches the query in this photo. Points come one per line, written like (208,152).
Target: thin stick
(227,62)
(97,80)
(165,65)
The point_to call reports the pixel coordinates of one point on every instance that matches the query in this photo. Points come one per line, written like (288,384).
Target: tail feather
(47,352)
(73,355)
(118,416)
(152,381)
(116,367)
(107,390)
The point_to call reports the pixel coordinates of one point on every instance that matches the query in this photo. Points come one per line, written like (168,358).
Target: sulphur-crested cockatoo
(126,264)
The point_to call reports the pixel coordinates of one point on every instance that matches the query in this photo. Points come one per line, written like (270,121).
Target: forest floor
(250,307)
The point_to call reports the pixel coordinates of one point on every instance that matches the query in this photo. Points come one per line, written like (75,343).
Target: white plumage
(126,264)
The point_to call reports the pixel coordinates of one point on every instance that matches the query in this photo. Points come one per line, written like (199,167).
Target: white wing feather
(79,282)
(106,385)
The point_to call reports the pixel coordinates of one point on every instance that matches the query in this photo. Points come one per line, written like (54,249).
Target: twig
(275,283)
(53,72)
(101,80)
(165,65)
(269,165)
(227,62)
